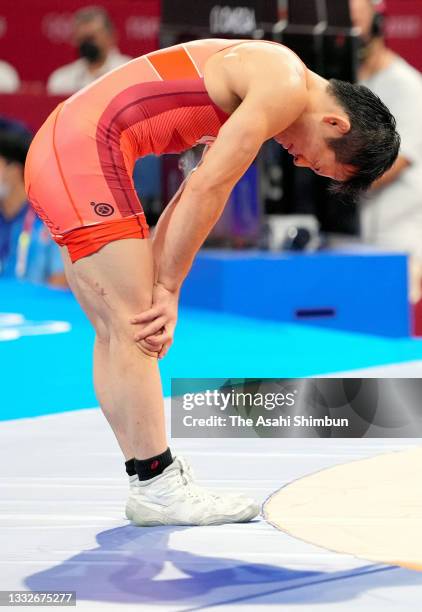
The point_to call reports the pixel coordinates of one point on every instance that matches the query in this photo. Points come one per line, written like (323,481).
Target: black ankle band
(130,467)
(154,466)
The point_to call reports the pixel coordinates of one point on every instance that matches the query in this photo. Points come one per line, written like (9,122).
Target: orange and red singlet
(78,174)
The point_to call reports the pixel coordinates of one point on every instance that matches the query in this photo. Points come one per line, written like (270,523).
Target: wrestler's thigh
(114,283)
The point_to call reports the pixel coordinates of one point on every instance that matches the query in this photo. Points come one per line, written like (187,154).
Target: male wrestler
(78,179)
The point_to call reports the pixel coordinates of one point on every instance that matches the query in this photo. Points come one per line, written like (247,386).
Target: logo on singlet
(103,209)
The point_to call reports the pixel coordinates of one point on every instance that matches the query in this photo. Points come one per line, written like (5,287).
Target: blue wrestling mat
(46,346)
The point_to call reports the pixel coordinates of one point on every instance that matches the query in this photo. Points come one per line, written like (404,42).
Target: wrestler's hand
(157,325)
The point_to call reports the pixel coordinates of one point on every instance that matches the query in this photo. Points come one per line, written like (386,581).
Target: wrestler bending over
(235,95)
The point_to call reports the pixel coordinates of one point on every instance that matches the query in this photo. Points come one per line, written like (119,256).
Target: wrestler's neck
(319,100)
(13,203)
(378,57)
(320,103)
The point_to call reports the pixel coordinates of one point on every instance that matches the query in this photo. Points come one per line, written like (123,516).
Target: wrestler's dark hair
(14,146)
(372,144)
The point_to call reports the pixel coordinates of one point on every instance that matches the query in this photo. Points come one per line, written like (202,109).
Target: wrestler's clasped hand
(156,326)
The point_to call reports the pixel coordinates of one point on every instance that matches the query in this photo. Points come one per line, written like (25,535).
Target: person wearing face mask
(95,39)
(26,249)
(391,217)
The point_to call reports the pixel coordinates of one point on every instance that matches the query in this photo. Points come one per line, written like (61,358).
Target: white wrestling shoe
(172,498)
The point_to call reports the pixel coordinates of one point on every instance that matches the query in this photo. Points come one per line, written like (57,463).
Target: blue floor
(49,373)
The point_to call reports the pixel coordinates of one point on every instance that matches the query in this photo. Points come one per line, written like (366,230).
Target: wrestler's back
(156,103)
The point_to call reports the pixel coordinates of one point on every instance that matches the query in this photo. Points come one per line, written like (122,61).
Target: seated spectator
(9,78)
(391,217)
(26,249)
(95,38)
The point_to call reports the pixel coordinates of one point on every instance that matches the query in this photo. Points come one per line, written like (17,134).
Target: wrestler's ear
(339,123)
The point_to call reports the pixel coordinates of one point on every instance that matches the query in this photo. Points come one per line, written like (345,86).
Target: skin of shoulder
(264,90)
(270,77)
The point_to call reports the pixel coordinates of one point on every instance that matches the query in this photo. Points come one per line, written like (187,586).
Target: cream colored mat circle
(370,508)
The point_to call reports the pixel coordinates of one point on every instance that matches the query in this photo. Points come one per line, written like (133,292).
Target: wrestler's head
(347,134)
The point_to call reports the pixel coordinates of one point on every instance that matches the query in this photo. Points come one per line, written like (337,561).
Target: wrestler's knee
(111,311)
(123,332)
(145,352)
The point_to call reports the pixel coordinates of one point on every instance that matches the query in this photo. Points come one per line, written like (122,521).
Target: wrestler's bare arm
(274,96)
(159,232)
(269,106)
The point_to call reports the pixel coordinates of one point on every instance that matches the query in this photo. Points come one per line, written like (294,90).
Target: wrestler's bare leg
(111,286)
(107,392)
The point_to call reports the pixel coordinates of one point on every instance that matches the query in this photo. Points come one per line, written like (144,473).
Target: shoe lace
(187,476)
(186,472)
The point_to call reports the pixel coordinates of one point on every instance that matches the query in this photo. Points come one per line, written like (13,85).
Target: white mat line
(121,522)
(64,485)
(19,480)
(111,505)
(68,562)
(307,454)
(32,483)
(239,486)
(123,561)
(118,523)
(227,555)
(52,517)
(39,480)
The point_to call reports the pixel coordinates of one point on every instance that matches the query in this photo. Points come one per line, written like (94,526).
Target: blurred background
(313,260)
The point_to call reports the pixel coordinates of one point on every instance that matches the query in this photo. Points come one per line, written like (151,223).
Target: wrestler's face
(310,149)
